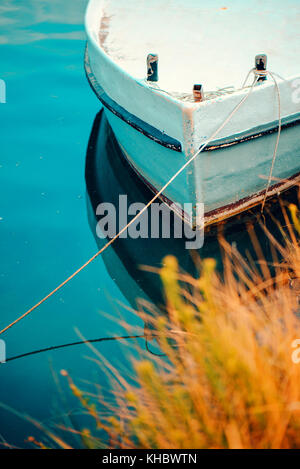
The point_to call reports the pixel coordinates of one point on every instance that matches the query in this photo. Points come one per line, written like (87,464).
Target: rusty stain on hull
(104,31)
(227,211)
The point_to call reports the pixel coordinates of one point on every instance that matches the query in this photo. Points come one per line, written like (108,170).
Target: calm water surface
(45,234)
(47,217)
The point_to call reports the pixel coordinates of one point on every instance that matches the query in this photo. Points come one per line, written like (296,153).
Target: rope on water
(202,147)
(72,344)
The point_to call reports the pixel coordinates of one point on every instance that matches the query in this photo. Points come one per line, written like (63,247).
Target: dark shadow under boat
(108,175)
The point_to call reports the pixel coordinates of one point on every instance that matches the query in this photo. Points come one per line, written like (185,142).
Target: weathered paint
(194,181)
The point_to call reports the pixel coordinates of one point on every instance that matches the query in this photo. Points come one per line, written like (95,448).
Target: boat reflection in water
(108,175)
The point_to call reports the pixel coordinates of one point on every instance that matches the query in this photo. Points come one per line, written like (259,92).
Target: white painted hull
(159,132)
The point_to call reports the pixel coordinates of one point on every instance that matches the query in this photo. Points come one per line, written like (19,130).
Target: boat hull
(158,134)
(226,190)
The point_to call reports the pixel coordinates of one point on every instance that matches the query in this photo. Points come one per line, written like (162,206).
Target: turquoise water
(45,235)
(47,217)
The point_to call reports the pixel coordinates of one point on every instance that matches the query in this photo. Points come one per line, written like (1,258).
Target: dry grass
(229,380)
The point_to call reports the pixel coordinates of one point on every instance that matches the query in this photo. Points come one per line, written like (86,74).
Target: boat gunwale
(169,142)
(254,133)
(117,67)
(143,83)
(138,124)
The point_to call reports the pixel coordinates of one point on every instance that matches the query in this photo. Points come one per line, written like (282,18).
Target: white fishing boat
(206,82)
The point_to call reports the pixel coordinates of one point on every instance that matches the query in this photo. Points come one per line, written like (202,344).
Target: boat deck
(199,41)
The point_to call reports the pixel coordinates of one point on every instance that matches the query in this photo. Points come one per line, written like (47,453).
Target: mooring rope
(260,73)
(202,147)
(277,140)
(72,344)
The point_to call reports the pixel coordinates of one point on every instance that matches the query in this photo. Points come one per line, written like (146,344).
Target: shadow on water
(108,175)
